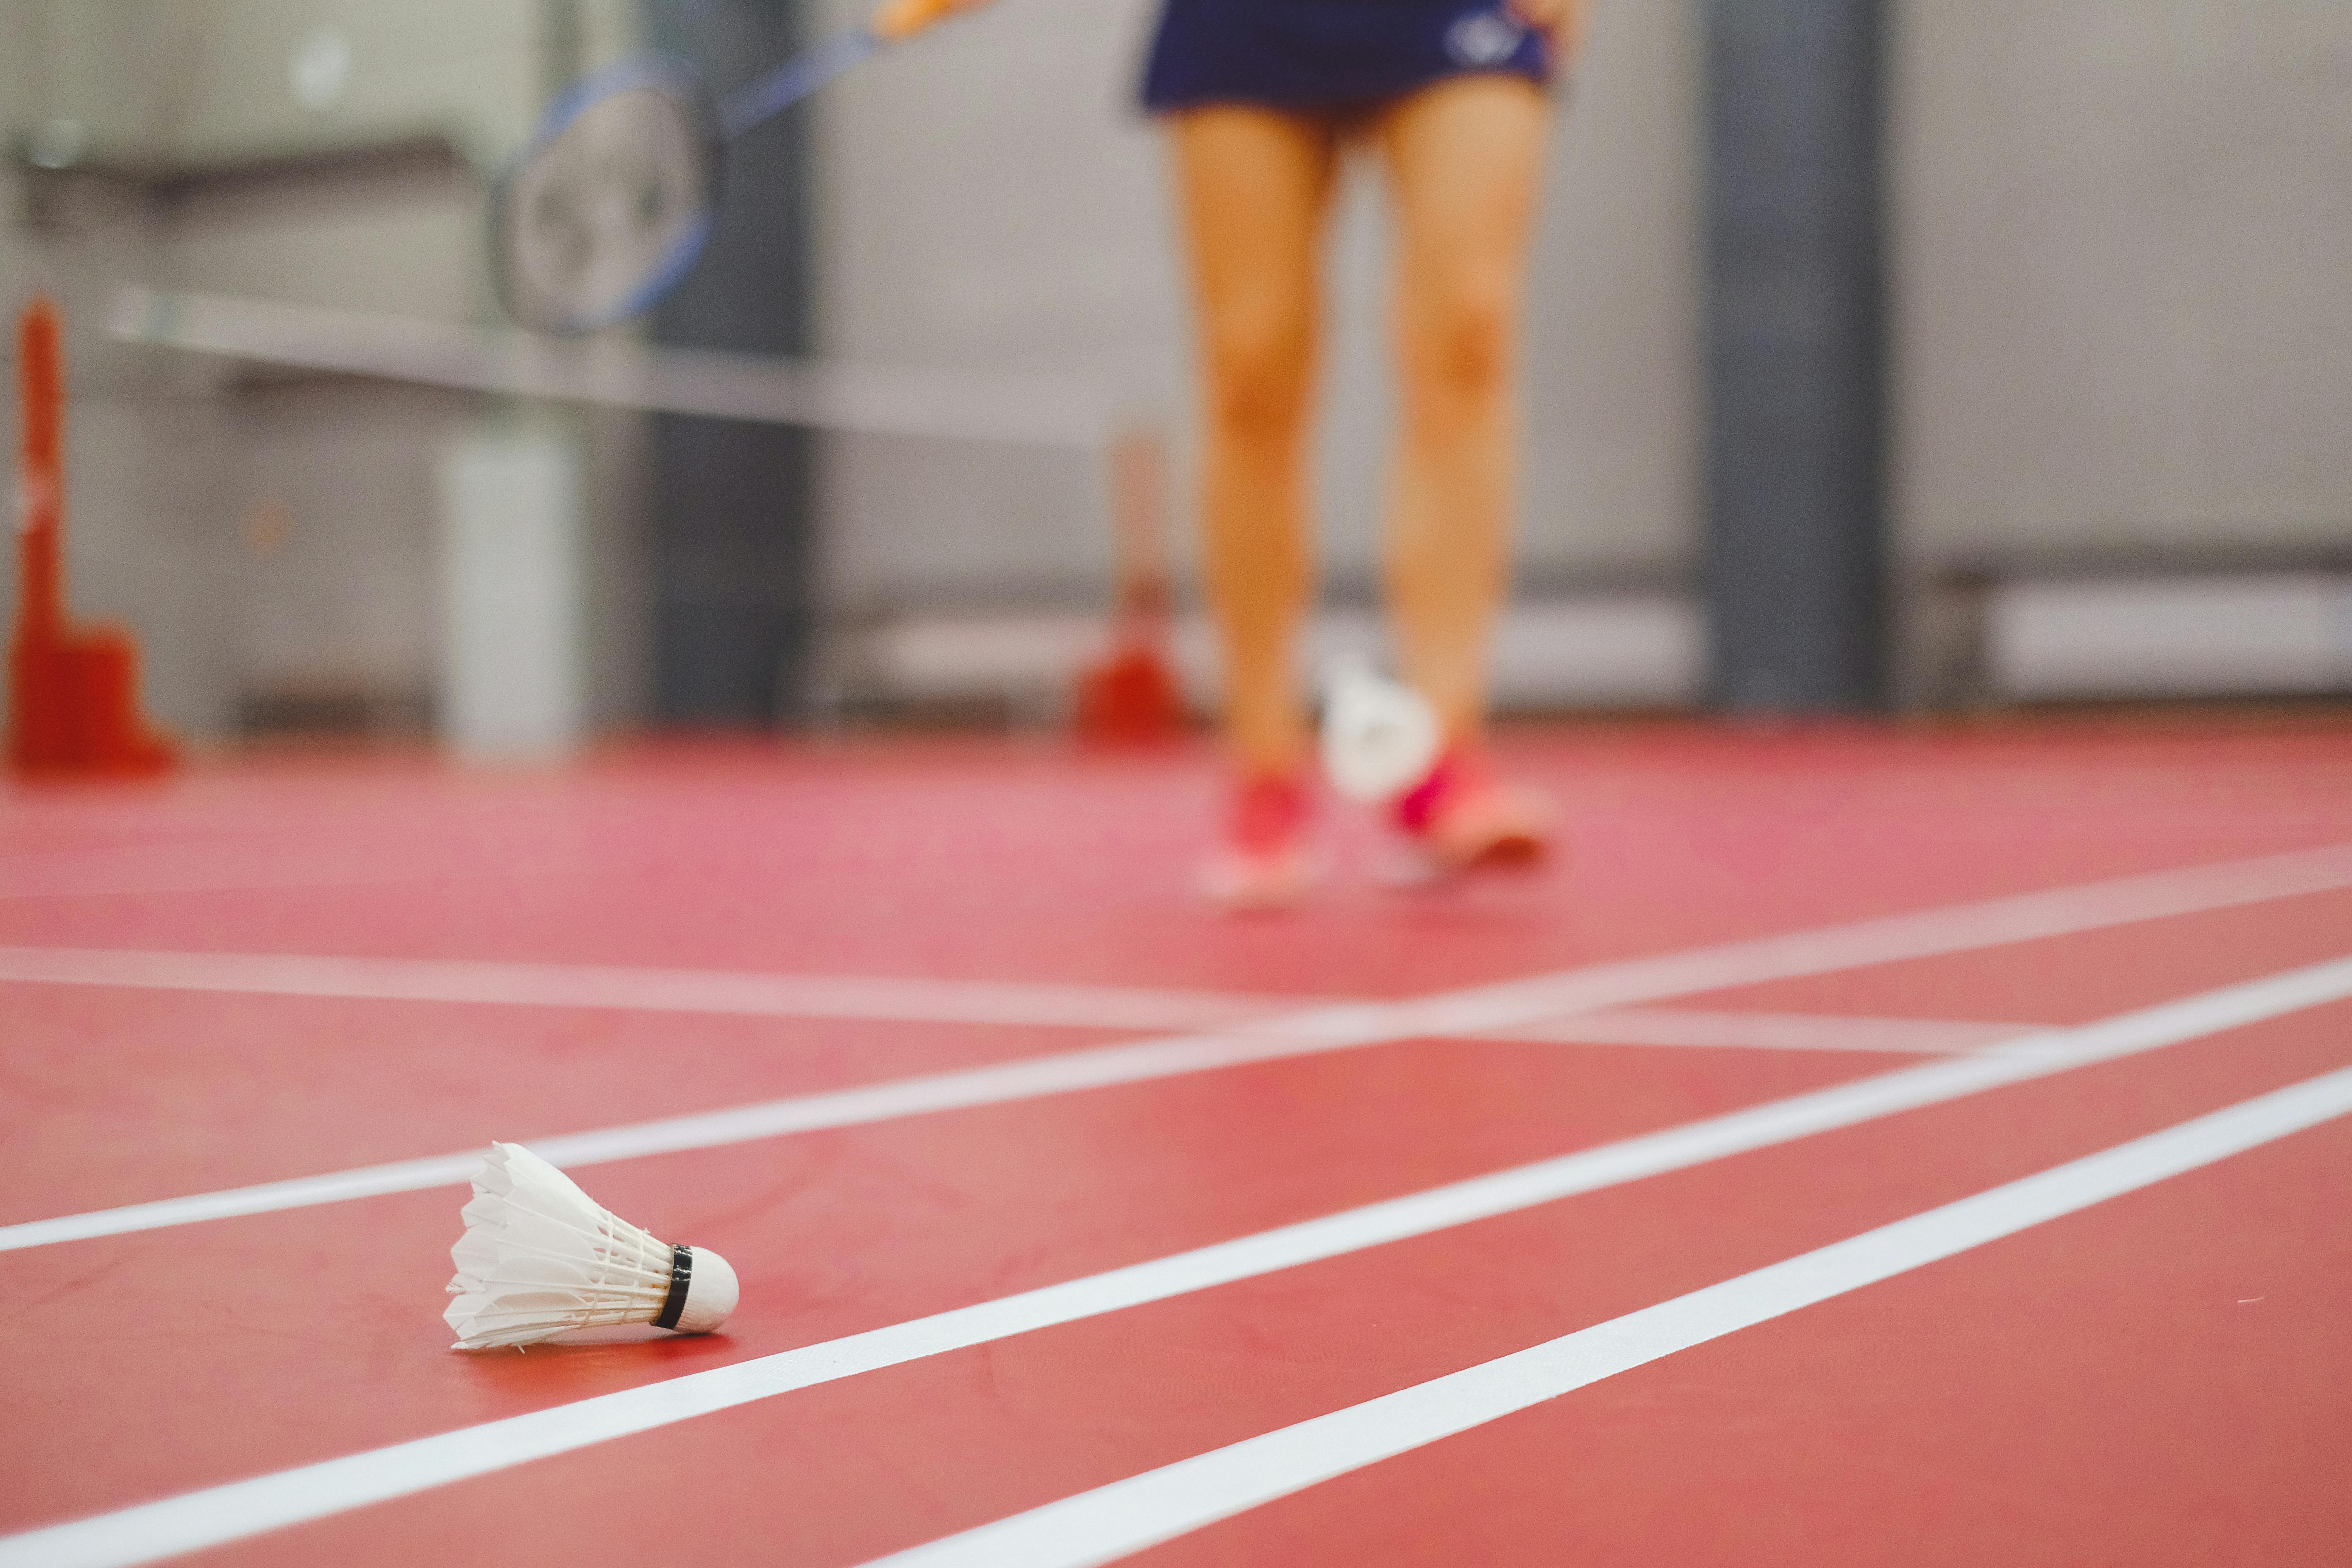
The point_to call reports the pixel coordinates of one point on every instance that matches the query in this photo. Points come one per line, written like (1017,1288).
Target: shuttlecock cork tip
(704,1284)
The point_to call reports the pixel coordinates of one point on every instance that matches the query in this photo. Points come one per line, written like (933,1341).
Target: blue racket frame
(718,123)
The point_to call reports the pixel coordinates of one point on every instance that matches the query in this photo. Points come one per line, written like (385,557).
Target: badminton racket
(611,201)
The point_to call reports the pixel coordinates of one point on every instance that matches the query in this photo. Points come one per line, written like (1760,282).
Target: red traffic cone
(1132,696)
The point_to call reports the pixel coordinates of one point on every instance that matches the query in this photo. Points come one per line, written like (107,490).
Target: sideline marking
(722,991)
(881,998)
(1111,1521)
(1476,1011)
(1479,1010)
(236,1510)
(1768,1032)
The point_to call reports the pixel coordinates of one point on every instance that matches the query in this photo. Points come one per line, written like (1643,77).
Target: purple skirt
(1330,54)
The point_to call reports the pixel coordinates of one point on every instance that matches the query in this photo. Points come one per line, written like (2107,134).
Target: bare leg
(1466,160)
(1255,186)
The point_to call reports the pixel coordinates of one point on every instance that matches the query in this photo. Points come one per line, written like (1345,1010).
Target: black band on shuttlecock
(681,1276)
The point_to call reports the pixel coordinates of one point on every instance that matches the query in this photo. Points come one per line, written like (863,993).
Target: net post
(73,693)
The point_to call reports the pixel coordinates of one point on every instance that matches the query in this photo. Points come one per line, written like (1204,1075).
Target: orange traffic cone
(73,693)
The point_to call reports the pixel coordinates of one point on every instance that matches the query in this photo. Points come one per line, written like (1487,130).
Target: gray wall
(2124,285)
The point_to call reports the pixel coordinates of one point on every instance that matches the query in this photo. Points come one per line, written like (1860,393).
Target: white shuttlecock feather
(539,1257)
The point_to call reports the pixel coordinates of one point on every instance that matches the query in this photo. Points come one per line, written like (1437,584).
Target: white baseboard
(1600,651)
(2239,635)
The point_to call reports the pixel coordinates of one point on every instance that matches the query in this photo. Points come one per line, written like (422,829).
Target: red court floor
(1791,988)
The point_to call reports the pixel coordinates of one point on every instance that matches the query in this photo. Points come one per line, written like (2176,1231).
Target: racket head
(610,203)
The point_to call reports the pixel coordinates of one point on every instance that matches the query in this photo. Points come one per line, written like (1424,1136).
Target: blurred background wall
(271,534)
(2124,307)
(2123,344)
(2121,326)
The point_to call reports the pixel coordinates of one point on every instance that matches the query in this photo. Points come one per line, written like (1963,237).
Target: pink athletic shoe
(1265,861)
(1461,817)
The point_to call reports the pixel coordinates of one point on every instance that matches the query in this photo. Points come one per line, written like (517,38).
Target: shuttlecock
(1380,737)
(539,1257)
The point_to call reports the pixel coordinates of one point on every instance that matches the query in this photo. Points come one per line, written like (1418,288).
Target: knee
(1459,348)
(1258,374)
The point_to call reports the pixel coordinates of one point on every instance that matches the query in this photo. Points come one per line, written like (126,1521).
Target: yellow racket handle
(902,19)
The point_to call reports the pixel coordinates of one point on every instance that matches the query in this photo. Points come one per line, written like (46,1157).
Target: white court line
(1028,1079)
(718,992)
(917,1001)
(241,1509)
(1960,929)
(1475,1011)
(1125,1517)
(1768,1032)
(1478,1011)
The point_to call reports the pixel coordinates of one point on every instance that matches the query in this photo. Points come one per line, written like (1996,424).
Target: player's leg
(1255,184)
(1466,160)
